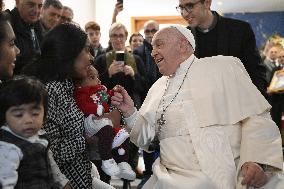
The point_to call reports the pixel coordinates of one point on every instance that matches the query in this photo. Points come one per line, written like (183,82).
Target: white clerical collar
(32,139)
(182,69)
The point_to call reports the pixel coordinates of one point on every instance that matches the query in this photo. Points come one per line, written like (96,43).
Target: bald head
(152,23)
(150,28)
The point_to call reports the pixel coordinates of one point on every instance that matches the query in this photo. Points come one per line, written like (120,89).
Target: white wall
(101,10)
(132,8)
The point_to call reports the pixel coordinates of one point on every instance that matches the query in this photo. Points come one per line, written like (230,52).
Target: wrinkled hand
(128,70)
(114,68)
(122,101)
(253,175)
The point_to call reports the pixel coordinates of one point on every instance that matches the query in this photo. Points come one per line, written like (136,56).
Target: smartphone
(120,56)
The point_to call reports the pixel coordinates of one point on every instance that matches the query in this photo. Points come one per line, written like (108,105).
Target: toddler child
(94,99)
(25,161)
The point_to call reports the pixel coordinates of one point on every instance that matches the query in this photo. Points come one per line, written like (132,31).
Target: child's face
(94,36)
(136,41)
(25,120)
(92,79)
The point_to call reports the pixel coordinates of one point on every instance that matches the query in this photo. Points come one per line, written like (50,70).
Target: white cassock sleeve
(261,143)
(141,133)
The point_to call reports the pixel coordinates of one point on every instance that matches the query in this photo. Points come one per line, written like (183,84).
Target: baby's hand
(114,116)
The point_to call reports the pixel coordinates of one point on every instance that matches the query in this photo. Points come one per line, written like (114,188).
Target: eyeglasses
(150,31)
(66,19)
(188,7)
(117,36)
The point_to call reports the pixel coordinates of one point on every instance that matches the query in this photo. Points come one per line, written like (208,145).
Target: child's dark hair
(134,35)
(21,90)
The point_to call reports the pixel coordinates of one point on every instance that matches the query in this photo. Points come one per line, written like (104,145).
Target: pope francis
(212,124)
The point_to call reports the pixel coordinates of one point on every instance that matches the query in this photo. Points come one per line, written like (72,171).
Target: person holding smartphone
(127,70)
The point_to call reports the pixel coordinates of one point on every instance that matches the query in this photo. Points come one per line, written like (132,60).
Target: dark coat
(277,102)
(34,170)
(24,41)
(64,128)
(236,38)
(152,71)
(100,51)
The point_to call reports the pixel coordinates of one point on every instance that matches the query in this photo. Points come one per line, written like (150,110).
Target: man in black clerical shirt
(217,35)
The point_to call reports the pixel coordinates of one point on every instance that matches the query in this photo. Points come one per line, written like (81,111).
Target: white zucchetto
(186,33)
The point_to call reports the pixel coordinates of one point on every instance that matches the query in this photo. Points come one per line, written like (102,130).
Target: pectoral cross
(161,121)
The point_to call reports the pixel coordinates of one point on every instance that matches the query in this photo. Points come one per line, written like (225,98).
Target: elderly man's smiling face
(166,51)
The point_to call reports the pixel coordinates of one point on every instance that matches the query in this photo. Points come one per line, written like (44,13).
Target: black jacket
(152,71)
(24,41)
(236,38)
(97,52)
(34,170)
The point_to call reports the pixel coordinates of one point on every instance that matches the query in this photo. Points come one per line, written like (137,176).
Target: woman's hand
(122,101)
(128,70)
(114,68)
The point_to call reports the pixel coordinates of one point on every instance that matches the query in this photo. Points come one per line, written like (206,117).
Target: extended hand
(118,8)
(253,175)
(122,101)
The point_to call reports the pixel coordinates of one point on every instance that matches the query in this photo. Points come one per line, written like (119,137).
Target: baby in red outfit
(94,98)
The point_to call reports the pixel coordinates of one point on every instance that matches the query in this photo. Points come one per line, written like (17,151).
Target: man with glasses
(66,15)
(144,51)
(152,74)
(217,35)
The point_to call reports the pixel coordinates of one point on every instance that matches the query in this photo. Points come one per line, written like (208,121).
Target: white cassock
(218,121)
